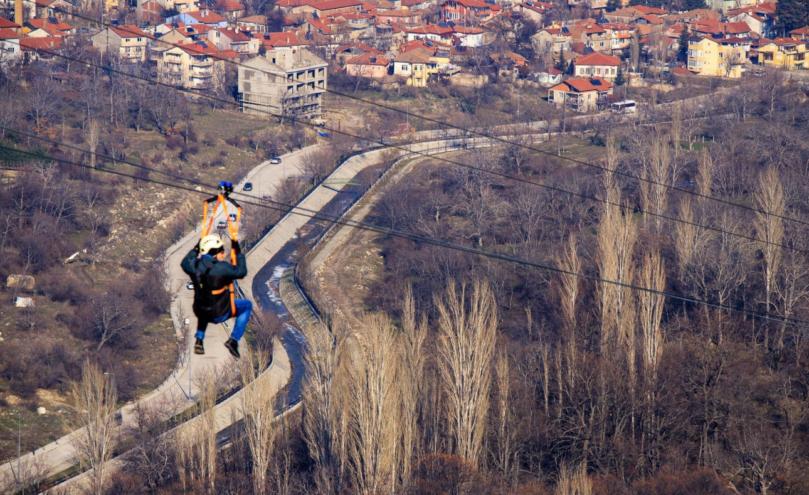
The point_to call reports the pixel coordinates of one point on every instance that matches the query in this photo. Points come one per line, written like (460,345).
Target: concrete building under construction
(287,82)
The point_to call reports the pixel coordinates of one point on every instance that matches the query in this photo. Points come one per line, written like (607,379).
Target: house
(198,66)
(10,51)
(149,12)
(471,36)
(400,16)
(329,7)
(783,53)
(468,12)
(37,48)
(800,33)
(717,57)
(58,9)
(555,40)
(7,24)
(598,65)
(253,23)
(368,65)
(759,18)
(228,39)
(429,32)
(581,94)
(45,28)
(726,5)
(283,82)
(231,9)
(549,77)
(127,42)
(204,17)
(275,41)
(415,66)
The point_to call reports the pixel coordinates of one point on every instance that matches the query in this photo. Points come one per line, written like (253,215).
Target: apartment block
(285,81)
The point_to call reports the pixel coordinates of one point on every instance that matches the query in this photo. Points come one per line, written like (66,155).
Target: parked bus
(626,106)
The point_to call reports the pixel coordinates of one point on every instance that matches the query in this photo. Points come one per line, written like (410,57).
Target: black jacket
(210,277)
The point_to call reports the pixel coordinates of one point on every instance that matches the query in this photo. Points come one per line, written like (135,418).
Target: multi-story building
(784,53)
(718,57)
(196,66)
(126,41)
(287,82)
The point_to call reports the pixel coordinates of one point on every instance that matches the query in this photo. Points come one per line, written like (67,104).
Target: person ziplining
(214,278)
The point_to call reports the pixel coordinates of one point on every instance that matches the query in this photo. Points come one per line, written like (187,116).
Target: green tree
(682,51)
(619,78)
(791,14)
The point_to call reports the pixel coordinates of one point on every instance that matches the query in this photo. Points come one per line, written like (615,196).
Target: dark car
(248,186)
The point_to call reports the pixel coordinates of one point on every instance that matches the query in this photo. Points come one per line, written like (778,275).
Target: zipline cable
(316,215)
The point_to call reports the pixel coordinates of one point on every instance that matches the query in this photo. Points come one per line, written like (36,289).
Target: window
(248,74)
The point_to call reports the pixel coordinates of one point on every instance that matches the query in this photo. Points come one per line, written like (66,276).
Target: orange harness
(233,230)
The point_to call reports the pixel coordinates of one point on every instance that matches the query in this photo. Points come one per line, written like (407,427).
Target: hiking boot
(198,347)
(233,347)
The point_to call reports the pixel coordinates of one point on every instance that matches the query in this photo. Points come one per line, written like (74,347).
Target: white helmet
(210,243)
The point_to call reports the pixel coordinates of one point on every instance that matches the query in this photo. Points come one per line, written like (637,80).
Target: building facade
(288,82)
(127,42)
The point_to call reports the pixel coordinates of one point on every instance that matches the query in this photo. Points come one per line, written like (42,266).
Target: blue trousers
(243,310)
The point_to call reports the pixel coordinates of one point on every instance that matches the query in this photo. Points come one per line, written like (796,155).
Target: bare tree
(769,225)
(322,418)
(412,390)
(467,329)
(259,413)
(374,410)
(650,312)
(94,401)
(505,449)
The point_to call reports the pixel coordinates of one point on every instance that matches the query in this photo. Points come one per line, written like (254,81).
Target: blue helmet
(226,187)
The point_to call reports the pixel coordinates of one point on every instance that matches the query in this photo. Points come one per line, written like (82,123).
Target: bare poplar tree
(411,386)
(685,237)
(769,225)
(467,329)
(505,455)
(568,295)
(259,413)
(617,235)
(322,419)
(93,137)
(658,173)
(374,406)
(650,312)
(94,401)
(205,445)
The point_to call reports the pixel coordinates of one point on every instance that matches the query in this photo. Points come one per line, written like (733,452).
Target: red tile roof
(46,43)
(334,4)
(368,59)
(233,35)
(736,28)
(8,34)
(52,28)
(582,85)
(128,31)
(596,58)
(229,5)
(6,24)
(206,17)
(644,9)
(274,40)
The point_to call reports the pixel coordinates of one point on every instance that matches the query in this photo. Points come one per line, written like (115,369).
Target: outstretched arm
(188,262)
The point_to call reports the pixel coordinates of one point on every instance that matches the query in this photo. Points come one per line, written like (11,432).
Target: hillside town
(574,52)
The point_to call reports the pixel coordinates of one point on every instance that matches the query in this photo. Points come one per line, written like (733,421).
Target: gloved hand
(234,245)
(196,247)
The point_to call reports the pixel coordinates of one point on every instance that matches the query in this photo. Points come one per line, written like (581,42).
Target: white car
(275,160)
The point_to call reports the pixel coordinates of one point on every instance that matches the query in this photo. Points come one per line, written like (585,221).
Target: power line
(316,215)
(406,149)
(585,163)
